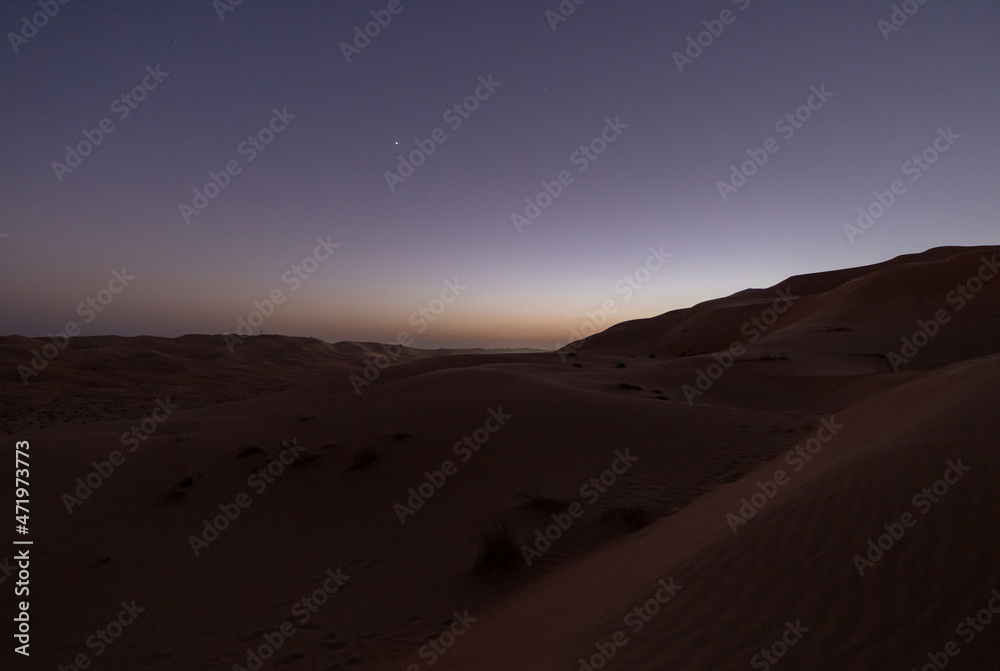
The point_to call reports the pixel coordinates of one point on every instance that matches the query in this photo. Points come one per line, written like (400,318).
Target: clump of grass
(307,458)
(364,458)
(497,547)
(249,451)
(632,517)
(182,487)
(537,501)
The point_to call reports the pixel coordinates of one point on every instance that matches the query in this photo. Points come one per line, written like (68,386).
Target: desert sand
(786,484)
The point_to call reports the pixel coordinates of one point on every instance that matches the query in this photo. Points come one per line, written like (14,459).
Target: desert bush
(497,547)
(364,458)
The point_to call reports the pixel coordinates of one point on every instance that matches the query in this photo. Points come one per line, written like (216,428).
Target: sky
(173,168)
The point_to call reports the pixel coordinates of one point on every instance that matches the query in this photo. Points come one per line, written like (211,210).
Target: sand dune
(527,438)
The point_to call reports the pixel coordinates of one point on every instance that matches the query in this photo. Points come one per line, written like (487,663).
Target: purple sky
(675,134)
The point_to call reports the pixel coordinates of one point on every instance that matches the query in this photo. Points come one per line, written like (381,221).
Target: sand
(798,579)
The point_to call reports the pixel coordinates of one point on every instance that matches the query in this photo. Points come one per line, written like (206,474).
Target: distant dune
(797,477)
